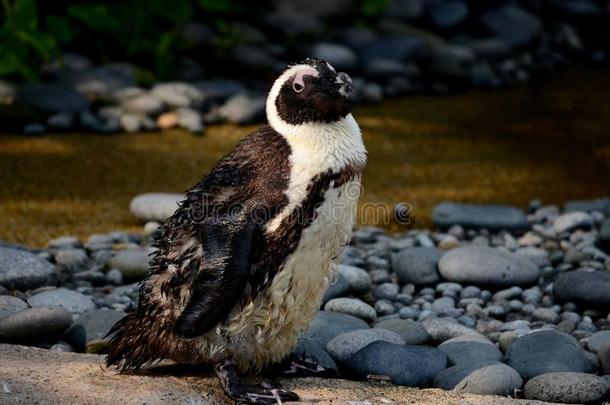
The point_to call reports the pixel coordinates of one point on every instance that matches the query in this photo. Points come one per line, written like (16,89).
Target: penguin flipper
(228,244)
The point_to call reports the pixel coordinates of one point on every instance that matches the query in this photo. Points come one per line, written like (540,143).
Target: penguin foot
(302,366)
(267,393)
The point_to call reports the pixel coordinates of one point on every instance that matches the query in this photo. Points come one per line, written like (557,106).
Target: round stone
(546,315)
(133,264)
(487,266)
(412,332)
(359,280)
(352,306)
(413,366)
(494,379)
(155,206)
(338,288)
(545,351)
(386,291)
(417,265)
(470,350)
(73,301)
(342,347)
(10,305)
(23,270)
(34,323)
(339,56)
(327,325)
(492,217)
(441,329)
(572,220)
(595,341)
(583,287)
(571,388)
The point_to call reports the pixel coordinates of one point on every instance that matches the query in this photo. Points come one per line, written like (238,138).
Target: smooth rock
(467,350)
(603,354)
(339,56)
(477,216)
(338,288)
(595,341)
(190,119)
(572,220)
(412,332)
(442,329)
(143,103)
(64,242)
(23,270)
(327,325)
(352,306)
(413,366)
(417,265)
(155,206)
(487,266)
(513,24)
(244,109)
(448,14)
(178,94)
(133,264)
(342,347)
(571,388)
(34,323)
(359,280)
(583,288)
(494,379)
(450,377)
(10,305)
(545,351)
(600,204)
(72,259)
(73,301)
(53,97)
(386,291)
(393,48)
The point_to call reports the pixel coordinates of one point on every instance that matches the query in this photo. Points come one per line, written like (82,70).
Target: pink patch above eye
(301,74)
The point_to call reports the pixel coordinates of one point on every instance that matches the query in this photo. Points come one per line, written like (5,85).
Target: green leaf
(24,14)
(59,28)
(178,11)
(14,63)
(372,8)
(95,16)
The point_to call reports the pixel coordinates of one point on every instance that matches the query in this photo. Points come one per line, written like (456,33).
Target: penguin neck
(334,145)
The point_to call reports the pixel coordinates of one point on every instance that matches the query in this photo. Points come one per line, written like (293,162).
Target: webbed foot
(267,393)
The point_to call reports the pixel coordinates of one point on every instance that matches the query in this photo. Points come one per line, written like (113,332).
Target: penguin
(240,268)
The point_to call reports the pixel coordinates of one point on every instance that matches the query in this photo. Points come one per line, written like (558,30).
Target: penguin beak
(346,85)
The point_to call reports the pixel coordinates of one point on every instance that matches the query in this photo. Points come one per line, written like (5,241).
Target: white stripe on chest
(315,149)
(267,329)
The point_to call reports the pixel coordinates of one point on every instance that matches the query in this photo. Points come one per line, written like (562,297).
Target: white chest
(277,317)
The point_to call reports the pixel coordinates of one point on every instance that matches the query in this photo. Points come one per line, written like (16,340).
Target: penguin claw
(267,393)
(258,394)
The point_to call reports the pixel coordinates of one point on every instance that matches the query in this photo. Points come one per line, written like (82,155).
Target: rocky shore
(411,47)
(496,301)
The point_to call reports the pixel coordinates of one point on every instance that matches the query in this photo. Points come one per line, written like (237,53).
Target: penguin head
(310,92)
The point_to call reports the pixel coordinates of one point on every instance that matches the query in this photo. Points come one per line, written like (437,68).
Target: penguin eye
(298,87)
